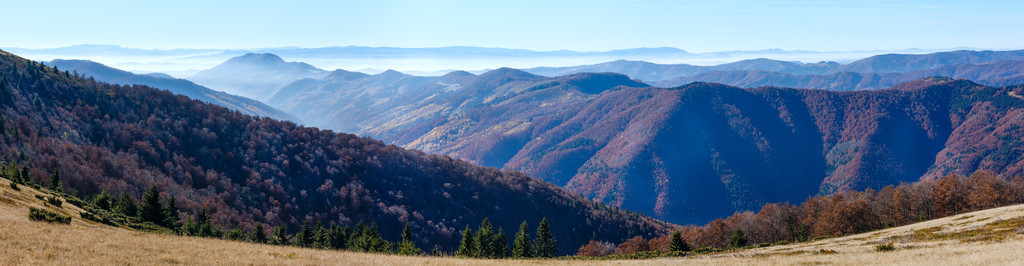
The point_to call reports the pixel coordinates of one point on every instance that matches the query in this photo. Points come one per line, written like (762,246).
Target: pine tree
(522,248)
(12,173)
(484,239)
(339,236)
(281,235)
(678,244)
(190,228)
(55,181)
(545,242)
(171,216)
(407,246)
(103,200)
(126,206)
(467,248)
(406,233)
(26,177)
(235,234)
(258,235)
(355,236)
(500,244)
(321,236)
(738,239)
(305,236)
(151,209)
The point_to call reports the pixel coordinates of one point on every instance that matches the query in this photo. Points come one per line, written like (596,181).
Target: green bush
(15,187)
(885,247)
(55,201)
(821,238)
(47,216)
(40,197)
(97,218)
(76,201)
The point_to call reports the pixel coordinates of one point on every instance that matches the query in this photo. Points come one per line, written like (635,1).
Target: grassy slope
(985,237)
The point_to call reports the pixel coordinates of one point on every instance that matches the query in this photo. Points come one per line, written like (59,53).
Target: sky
(590,25)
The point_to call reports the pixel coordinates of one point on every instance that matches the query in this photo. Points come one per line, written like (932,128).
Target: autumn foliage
(847,213)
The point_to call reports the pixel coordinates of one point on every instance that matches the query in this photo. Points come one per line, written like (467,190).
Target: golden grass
(86,243)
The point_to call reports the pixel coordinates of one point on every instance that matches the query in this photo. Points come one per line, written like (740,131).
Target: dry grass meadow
(990,237)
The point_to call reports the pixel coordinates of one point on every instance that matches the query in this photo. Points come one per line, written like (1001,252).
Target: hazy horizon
(695,26)
(426,60)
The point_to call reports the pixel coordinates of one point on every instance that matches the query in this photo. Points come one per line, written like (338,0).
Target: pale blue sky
(592,25)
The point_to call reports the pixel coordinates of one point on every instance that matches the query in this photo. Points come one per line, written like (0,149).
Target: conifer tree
(738,239)
(13,174)
(500,244)
(544,244)
(305,236)
(126,206)
(678,244)
(356,234)
(339,236)
(406,233)
(321,236)
(235,234)
(151,209)
(407,246)
(103,200)
(281,235)
(171,216)
(258,235)
(26,177)
(484,239)
(55,181)
(190,228)
(467,248)
(521,247)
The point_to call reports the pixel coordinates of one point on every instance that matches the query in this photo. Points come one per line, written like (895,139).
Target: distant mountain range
(241,169)
(690,151)
(1001,73)
(184,62)
(879,64)
(686,154)
(256,76)
(178,86)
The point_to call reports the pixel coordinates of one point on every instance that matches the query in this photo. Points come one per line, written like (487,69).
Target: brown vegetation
(850,213)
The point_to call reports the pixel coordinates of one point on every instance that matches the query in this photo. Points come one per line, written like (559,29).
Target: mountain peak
(258,58)
(342,74)
(507,72)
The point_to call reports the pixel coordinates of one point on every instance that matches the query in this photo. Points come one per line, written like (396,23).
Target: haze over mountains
(241,169)
(178,86)
(420,61)
(256,76)
(686,152)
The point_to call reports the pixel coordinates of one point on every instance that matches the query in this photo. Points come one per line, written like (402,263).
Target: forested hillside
(242,169)
(688,154)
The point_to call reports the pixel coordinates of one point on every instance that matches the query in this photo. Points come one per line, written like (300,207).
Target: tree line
(834,215)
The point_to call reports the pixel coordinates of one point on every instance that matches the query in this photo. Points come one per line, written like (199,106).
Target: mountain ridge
(179,86)
(242,169)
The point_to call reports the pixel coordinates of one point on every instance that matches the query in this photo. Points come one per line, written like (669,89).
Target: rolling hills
(242,169)
(877,64)
(107,74)
(1000,73)
(686,154)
